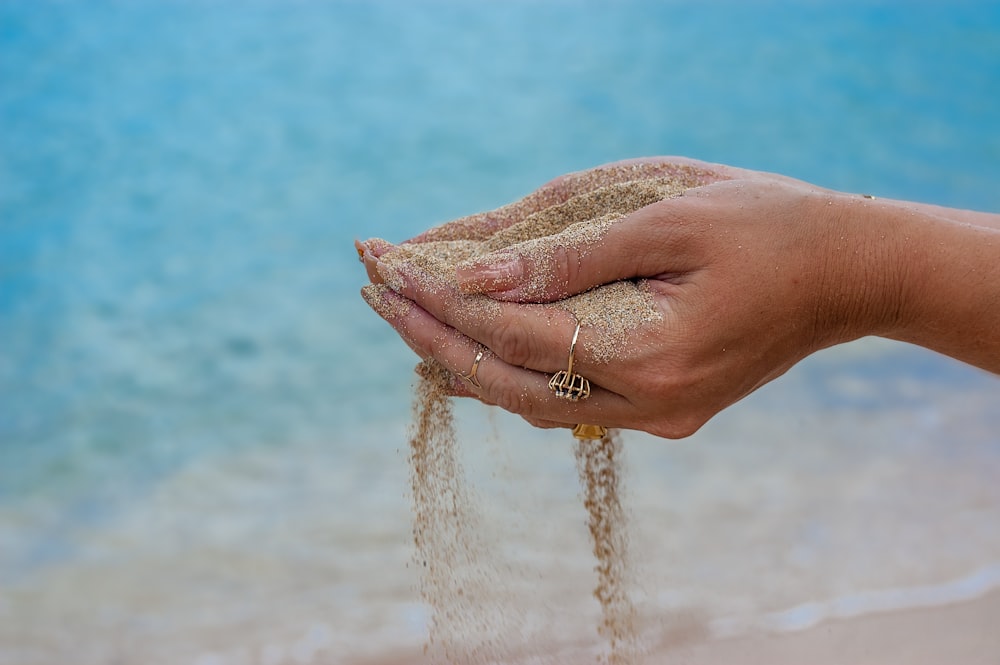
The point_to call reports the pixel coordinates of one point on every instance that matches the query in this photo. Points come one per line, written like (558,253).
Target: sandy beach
(958,633)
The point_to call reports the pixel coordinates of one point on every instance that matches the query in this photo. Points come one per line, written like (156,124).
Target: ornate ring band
(566,384)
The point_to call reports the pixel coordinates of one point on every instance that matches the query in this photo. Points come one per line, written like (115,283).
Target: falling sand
(599,464)
(446,551)
(577,212)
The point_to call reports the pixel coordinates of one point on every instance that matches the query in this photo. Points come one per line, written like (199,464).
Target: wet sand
(964,633)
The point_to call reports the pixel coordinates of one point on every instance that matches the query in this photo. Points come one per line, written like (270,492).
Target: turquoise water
(186,369)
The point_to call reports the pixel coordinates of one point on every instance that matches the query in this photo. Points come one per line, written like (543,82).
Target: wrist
(899,271)
(952,288)
(864,284)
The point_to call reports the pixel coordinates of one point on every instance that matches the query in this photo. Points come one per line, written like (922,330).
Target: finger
(566,187)
(515,389)
(368,252)
(453,386)
(535,336)
(531,336)
(640,244)
(375,246)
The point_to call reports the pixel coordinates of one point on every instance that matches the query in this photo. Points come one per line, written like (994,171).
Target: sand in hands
(577,215)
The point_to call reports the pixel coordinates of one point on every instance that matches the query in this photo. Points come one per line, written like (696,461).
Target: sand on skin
(444,532)
(955,633)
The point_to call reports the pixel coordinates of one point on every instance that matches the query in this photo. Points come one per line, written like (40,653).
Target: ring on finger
(471,377)
(566,384)
(590,432)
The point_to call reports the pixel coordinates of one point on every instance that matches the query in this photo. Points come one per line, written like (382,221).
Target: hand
(565,187)
(749,273)
(737,270)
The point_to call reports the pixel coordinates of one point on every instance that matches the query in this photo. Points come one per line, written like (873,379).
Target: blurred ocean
(203,427)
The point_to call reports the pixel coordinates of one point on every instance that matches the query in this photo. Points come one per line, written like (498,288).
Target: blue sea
(203,427)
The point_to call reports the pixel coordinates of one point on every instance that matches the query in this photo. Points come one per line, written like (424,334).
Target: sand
(483,226)
(600,200)
(963,633)
(444,530)
(456,566)
(599,464)
(579,215)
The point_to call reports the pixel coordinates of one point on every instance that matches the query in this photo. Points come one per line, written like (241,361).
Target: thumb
(579,258)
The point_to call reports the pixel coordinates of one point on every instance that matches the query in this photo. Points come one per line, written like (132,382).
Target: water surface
(202,427)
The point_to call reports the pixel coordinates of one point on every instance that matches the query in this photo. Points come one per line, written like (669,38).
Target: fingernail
(378,247)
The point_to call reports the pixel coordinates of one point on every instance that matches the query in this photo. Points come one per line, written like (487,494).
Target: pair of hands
(750,271)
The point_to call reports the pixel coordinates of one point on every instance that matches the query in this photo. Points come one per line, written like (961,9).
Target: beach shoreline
(962,632)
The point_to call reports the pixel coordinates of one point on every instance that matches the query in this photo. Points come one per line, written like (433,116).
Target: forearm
(975,217)
(940,272)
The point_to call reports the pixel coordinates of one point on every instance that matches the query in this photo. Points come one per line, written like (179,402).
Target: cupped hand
(565,187)
(749,274)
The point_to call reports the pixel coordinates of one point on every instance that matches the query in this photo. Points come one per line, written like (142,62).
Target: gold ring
(471,376)
(590,432)
(567,385)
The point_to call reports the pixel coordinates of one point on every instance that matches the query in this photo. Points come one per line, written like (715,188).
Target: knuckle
(565,263)
(511,343)
(511,396)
